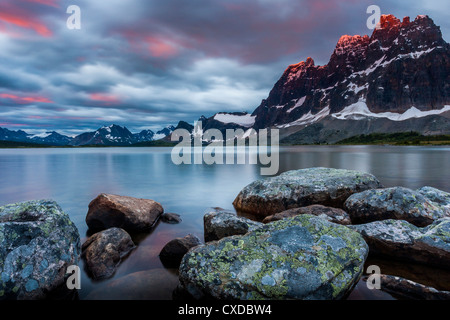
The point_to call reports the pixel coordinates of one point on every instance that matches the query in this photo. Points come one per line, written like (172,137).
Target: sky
(146,64)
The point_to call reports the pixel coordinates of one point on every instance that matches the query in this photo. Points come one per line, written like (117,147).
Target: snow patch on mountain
(246,120)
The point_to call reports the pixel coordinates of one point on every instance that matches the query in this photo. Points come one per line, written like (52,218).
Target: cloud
(147,64)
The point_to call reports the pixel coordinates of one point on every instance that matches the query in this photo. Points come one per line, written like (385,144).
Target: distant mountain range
(112,135)
(396,80)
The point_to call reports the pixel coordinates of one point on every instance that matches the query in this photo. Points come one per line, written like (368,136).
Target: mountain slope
(401,71)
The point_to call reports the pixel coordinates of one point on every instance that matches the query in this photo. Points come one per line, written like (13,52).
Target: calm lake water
(73,177)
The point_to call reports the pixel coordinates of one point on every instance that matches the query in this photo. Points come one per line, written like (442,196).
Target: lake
(74,177)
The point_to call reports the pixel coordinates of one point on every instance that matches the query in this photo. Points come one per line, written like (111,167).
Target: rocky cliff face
(403,68)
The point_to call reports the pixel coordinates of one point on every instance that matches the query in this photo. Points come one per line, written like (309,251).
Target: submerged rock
(38,242)
(154,284)
(300,188)
(407,289)
(172,253)
(304,257)
(392,203)
(439,198)
(104,251)
(335,215)
(171,218)
(222,223)
(131,214)
(402,240)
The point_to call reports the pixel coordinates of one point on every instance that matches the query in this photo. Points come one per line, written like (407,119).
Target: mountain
(144,136)
(164,132)
(51,138)
(10,135)
(400,72)
(108,136)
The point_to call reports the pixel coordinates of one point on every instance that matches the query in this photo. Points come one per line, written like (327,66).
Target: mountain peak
(348,43)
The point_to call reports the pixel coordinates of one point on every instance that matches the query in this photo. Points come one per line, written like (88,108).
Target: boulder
(171,218)
(221,223)
(402,240)
(392,203)
(131,214)
(38,242)
(104,251)
(172,253)
(304,257)
(407,289)
(301,188)
(439,198)
(154,284)
(335,215)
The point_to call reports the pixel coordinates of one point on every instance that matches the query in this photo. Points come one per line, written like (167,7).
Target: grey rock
(300,188)
(172,253)
(407,289)
(304,257)
(335,215)
(104,251)
(38,242)
(439,198)
(220,223)
(402,240)
(392,203)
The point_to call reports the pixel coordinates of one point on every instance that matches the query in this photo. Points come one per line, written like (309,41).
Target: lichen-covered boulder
(128,213)
(392,203)
(439,198)
(301,188)
(103,251)
(222,223)
(402,240)
(335,215)
(304,257)
(38,242)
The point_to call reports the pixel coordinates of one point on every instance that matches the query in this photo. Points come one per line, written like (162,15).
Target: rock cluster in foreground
(296,255)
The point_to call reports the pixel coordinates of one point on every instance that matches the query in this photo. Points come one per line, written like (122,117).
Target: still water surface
(73,177)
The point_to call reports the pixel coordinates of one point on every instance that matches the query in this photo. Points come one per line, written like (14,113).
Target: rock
(300,188)
(172,253)
(221,223)
(407,289)
(335,215)
(402,240)
(392,203)
(171,218)
(131,214)
(38,242)
(304,257)
(104,251)
(439,198)
(154,284)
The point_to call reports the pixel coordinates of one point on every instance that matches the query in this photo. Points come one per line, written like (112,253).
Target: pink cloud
(25,99)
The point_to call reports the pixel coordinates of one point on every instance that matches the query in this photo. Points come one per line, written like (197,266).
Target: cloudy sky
(146,64)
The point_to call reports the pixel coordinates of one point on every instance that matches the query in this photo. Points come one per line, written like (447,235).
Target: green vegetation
(399,138)
(156,143)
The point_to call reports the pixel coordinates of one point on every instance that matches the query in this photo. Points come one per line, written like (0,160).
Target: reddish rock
(131,214)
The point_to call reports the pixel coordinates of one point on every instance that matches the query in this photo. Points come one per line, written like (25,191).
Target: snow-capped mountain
(400,72)
(51,138)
